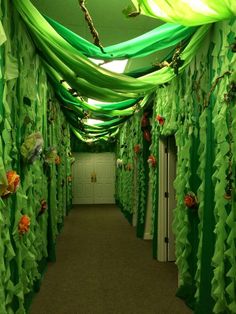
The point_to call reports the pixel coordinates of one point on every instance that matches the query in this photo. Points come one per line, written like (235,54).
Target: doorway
(93,178)
(167,200)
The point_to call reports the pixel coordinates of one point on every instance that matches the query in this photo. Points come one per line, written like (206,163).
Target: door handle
(93,177)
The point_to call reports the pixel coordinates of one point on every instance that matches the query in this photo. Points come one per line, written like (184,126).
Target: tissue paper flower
(137,148)
(160,119)
(57,160)
(190,200)
(152,161)
(43,208)
(13,180)
(24,225)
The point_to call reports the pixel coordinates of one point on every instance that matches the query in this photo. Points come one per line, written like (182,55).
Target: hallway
(102,268)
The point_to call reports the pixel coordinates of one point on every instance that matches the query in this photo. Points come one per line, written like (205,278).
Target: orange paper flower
(13,180)
(24,225)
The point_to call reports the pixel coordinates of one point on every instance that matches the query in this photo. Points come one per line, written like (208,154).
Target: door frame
(166,199)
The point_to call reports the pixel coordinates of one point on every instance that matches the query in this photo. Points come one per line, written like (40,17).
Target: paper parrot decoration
(32,147)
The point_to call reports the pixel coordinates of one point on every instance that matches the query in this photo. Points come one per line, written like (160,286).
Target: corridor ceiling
(113,27)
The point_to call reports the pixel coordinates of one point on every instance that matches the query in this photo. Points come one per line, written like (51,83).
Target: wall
(28,105)
(198,108)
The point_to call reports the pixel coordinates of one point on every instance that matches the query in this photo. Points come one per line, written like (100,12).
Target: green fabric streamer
(85,76)
(198,11)
(162,37)
(73,75)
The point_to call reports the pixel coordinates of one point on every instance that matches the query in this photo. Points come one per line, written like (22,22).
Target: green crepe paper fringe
(26,107)
(219,177)
(223,282)
(176,104)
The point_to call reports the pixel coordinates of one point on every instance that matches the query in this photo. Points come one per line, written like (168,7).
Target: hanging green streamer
(83,75)
(190,13)
(162,37)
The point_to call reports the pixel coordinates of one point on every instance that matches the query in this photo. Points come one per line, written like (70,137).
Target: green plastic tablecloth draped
(188,12)
(162,37)
(85,76)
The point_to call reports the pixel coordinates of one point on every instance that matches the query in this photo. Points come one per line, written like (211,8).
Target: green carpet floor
(102,268)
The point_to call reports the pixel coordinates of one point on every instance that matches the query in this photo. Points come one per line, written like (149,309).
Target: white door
(104,187)
(167,201)
(93,178)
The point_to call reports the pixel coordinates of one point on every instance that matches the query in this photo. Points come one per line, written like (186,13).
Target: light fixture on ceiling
(117,66)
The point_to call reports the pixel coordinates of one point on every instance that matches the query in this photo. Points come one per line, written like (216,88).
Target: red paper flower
(43,208)
(137,148)
(190,200)
(160,119)
(13,180)
(57,160)
(147,135)
(152,161)
(145,121)
(24,225)
(128,167)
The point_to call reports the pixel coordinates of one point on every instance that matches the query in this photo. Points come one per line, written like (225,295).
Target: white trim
(162,210)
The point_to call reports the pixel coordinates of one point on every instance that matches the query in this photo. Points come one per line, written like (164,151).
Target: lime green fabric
(24,103)
(202,119)
(162,37)
(191,12)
